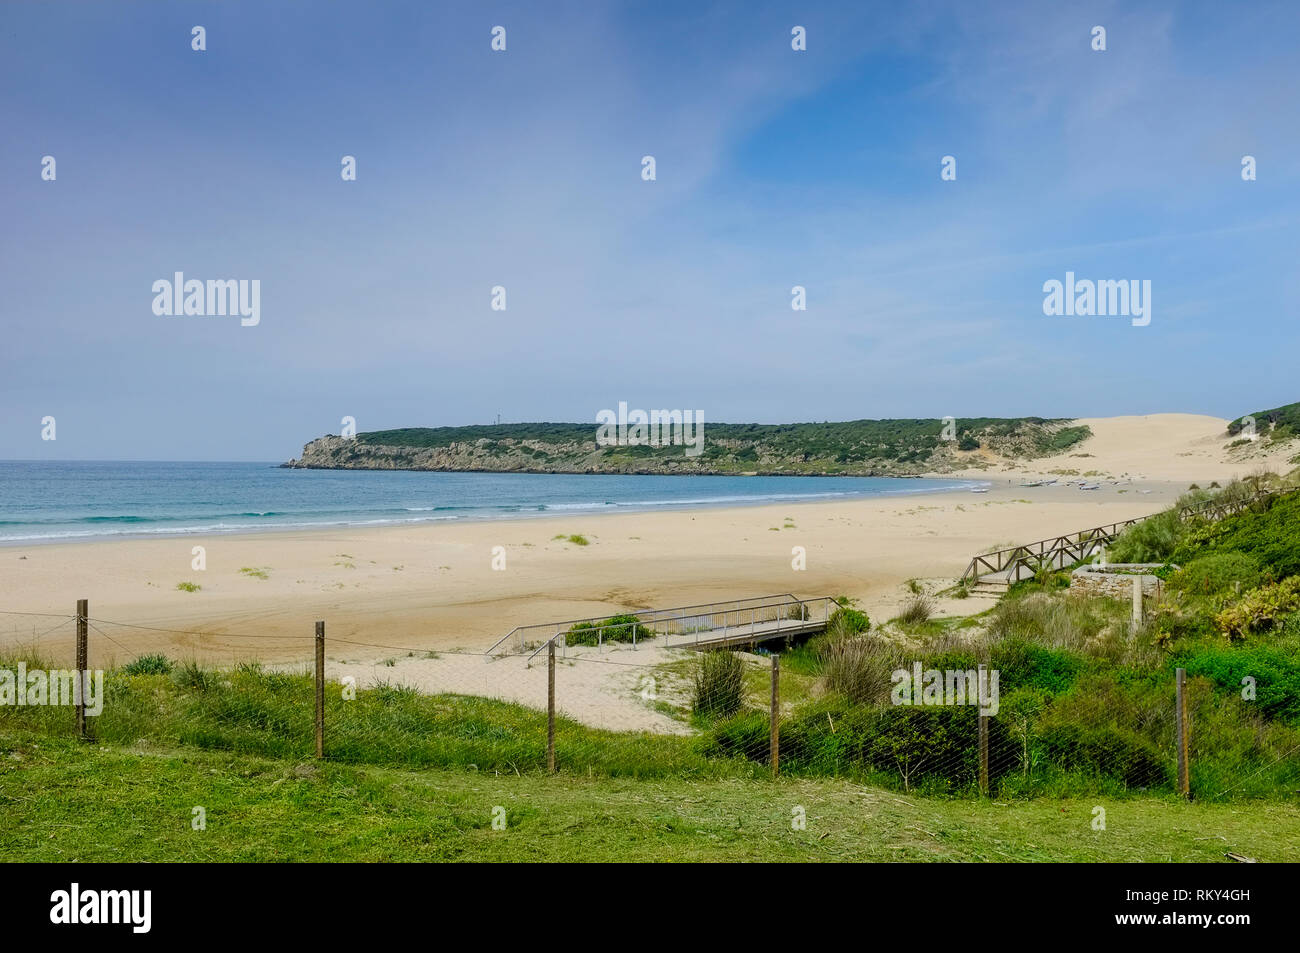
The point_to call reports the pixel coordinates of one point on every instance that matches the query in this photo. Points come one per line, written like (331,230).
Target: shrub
(1171,623)
(149,665)
(1218,573)
(193,675)
(851,621)
(1270,535)
(932,746)
(719,684)
(1093,624)
(858,668)
(916,610)
(1105,750)
(1260,608)
(619,628)
(1276,675)
(1151,541)
(1022,664)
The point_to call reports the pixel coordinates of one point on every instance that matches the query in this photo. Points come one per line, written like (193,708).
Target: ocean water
(47,501)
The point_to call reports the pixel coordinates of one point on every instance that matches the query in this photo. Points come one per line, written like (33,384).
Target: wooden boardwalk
(707,626)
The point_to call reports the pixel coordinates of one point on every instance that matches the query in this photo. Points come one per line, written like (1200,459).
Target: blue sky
(522,169)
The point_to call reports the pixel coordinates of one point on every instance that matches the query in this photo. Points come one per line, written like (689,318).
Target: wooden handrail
(1004,560)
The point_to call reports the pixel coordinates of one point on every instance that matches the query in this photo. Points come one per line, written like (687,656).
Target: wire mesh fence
(1011,719)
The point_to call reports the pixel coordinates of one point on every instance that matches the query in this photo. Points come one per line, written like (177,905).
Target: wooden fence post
(550,707)
(774,740)
(1137,603)
(320,689)
(983,739)
(83,662)
(1180,704)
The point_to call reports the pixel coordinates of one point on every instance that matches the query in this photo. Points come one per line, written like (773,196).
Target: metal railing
(710,623)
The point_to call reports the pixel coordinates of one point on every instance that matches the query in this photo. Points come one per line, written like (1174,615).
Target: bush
(1218,573)
(858,668)
(1271,536)
(719,684)
(850,621)
(195,676)
(1276,675)
(1095,624)
(149,665)
(916,610)
(619,628)
(1105,750)
(1022,664)
(919,745)
(1172,623)
(1151,541)
(1260,608)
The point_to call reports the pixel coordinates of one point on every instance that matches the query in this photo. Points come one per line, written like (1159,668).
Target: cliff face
(496,456)
(565,453)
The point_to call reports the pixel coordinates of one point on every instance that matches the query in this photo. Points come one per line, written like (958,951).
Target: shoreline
(958,484)
(431,586)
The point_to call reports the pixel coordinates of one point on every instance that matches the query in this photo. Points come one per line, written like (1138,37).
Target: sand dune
(1168,447)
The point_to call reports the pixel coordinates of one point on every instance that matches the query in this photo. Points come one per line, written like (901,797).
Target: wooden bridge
(709,625)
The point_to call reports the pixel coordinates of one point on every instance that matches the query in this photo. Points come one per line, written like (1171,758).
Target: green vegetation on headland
(1280,423)
(859,447)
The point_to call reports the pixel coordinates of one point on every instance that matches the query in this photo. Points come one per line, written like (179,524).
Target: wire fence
(1016,720)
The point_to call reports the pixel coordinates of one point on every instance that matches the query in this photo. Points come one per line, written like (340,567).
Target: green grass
(576,538)
(415,777)
(270,714)
(65,801)
(188,586)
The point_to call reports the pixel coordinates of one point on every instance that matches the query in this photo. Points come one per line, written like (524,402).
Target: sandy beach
(387,591)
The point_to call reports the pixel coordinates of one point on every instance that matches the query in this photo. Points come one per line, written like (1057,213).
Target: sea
(45,501)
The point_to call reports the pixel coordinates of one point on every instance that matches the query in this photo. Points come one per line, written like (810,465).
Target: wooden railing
(1065,551)
(1217,509)
(1056,553)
